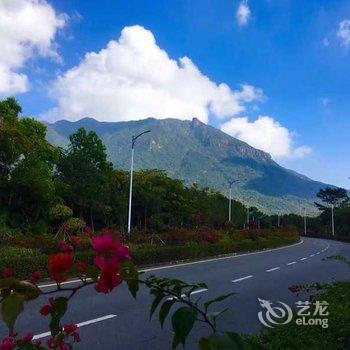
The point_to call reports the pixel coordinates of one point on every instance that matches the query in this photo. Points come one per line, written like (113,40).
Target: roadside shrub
(179,236)
(72,226)
(208,235)
(17,252)
(60,213)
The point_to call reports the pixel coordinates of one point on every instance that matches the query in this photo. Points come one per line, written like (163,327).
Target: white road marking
(81,324)
(303,259)
(273,269)
(292,263)
(318,253)
(312,255)
(186,264)
(195,292)
(242,278)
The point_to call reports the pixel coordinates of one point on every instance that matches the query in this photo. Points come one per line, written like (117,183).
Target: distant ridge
(199,153)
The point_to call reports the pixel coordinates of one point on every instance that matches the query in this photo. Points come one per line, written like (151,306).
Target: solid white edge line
(273,269)
(189,263)
(292,263)
(81,324)
(242,278)
(303,259)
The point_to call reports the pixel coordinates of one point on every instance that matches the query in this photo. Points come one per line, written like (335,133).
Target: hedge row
(151,254)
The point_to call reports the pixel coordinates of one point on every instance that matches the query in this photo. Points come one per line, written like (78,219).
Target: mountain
(199,153)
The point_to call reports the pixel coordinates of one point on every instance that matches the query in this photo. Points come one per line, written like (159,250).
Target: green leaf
(92,272)
(212,316)
(182,322)
(7,282)
(27,289)
(130,275)
(159,295)
(60,308)
(222,341)
(217,300)
(164,310)
(11,307)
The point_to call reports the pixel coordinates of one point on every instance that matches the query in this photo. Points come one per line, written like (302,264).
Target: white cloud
(325,42)
(266,134)
(133,78)
(343,32)
(27,27)
(243,13)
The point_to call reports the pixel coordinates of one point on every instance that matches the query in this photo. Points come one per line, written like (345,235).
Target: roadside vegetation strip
(24,264)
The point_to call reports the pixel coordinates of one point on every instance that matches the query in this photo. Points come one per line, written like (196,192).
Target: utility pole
(133,140)
(278,220)
(332,211)
(305,230)
(248,218)
(230,182)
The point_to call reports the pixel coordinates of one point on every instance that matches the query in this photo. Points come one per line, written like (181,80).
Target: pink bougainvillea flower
(104,243)
(48,309)
(69,328)
(8,272)
(110,277)
(59,266)
(7,344)
(26,339)
(122,252)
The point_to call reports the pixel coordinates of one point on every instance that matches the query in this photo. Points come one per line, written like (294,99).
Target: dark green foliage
(292,336)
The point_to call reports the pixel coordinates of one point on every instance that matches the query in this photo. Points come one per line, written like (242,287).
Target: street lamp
(248,217)
(231,182)
(133,140)
(305,221)
(332,211)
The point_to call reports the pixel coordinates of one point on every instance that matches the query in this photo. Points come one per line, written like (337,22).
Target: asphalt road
(117,321)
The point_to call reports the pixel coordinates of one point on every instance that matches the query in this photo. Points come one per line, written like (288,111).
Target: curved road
(117,321)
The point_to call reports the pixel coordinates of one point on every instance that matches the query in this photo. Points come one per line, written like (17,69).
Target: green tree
(332,196)
(26,164)
(84,175)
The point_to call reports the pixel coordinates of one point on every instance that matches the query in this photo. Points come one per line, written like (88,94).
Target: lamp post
(248,214)
(231,182)
(332,211)
(133,140)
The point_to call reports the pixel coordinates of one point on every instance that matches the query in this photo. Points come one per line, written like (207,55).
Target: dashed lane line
(273,269)
(242,278)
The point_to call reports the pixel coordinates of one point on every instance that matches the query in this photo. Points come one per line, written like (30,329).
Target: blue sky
(284,65)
